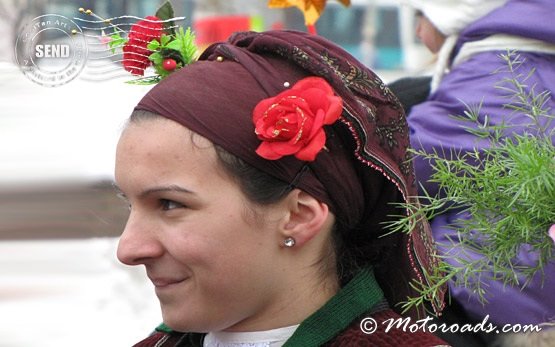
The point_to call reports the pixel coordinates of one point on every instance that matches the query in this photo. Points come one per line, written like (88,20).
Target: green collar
(353,300)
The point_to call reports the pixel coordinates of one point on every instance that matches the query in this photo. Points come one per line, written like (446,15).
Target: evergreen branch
(508,189)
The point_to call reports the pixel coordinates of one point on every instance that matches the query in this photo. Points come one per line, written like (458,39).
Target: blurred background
(60,282)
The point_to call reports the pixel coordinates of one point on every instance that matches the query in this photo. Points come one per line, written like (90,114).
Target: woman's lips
(166,282)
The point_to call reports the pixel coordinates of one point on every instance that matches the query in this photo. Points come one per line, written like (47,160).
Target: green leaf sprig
(508,188)
(180,47)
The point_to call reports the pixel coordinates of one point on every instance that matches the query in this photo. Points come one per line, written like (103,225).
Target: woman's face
(214,266)
(430,36)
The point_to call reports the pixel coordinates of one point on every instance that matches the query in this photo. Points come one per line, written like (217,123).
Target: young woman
(259,179)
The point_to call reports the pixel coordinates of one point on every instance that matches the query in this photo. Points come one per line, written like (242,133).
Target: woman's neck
(302,298)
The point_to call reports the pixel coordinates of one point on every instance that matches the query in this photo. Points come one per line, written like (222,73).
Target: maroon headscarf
(364,168)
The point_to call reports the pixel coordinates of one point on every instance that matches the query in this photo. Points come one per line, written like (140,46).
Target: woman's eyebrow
(168,188)
(149,191)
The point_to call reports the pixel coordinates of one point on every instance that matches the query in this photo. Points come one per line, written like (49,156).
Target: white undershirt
(268,338)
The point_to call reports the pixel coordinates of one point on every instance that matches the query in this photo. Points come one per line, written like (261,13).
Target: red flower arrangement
(292,122)
(154,41)
(135,51)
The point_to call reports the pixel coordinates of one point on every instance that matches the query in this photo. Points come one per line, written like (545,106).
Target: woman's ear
(306,218)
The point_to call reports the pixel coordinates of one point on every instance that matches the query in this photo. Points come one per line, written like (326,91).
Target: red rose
(135,53)
(292,123)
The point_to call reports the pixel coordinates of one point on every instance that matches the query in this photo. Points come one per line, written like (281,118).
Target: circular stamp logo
(51,50)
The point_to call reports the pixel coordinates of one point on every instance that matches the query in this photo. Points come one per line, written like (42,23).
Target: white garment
(501,42)
(268,338)
(498,42)
(451,16)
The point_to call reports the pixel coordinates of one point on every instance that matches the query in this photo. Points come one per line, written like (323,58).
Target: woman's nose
(418,28)
(139,243)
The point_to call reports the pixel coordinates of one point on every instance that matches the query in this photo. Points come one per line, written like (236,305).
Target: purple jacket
(473,81)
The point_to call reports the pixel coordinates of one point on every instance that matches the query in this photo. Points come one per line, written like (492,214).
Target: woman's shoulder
(385,329)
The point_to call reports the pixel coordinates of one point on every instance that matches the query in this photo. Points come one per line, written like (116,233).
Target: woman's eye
(170,204)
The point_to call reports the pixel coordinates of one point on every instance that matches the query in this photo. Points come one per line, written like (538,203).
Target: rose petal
(311,150)
(316,98)
(335,109)
(318,123)
(285,148)
(313,82)
(266,152)
(261,108)
(552,232)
